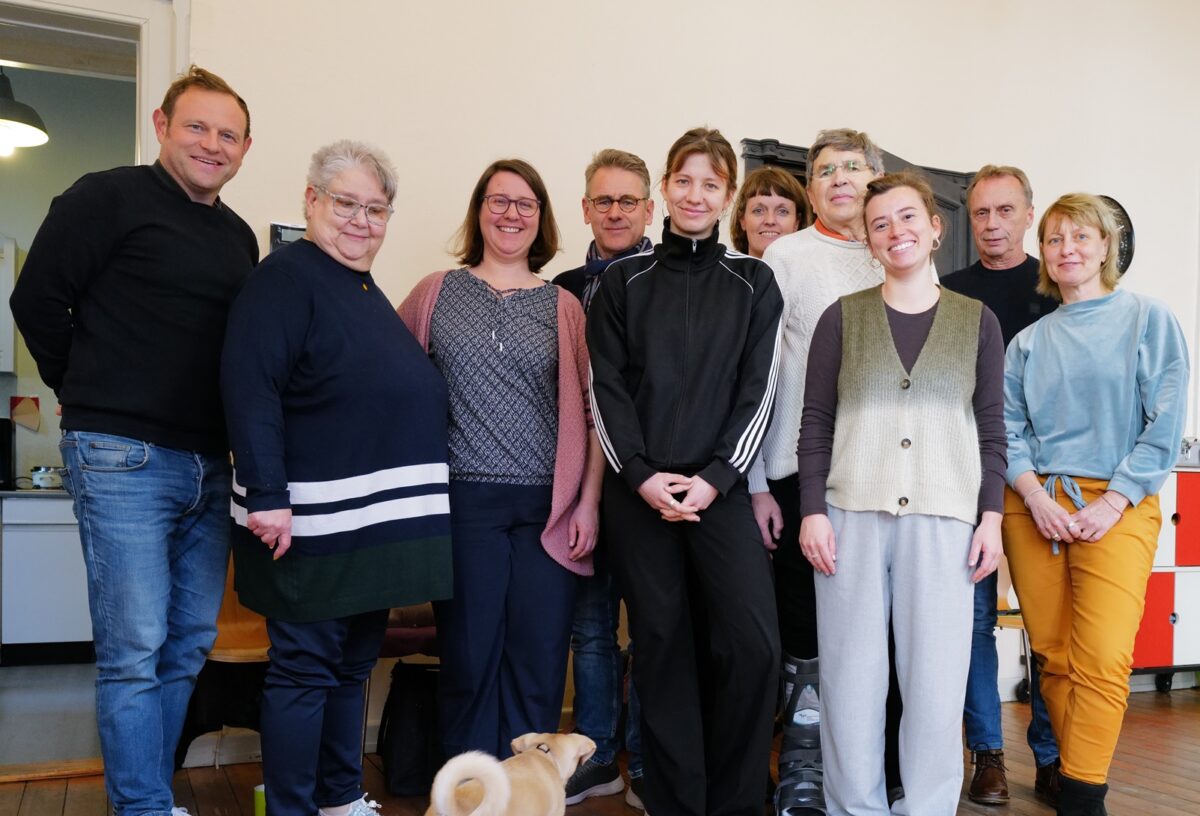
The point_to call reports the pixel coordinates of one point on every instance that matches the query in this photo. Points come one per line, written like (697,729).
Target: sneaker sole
(605,789)
(633,800)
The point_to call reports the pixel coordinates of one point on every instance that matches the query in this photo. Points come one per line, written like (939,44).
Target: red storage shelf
(1155,643)
(1187,526)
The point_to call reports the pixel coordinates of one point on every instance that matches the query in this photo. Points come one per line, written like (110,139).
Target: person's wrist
(1115,505)
(1028,496)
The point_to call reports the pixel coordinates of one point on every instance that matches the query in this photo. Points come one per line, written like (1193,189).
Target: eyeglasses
(627,203)
(499,204)
(343,207)
(849,165)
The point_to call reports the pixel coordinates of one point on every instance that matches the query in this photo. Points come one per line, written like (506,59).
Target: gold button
(905,383)
(365,289)
(904,501)
(905,443)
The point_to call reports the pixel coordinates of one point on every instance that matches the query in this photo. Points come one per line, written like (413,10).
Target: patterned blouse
(499,356)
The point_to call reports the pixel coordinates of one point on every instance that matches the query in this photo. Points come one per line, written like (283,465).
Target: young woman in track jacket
(684,350)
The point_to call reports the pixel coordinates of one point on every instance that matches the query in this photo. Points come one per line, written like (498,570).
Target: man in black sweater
(1000,204)
(123,301)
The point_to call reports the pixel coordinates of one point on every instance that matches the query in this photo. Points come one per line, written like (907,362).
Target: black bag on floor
(408,734)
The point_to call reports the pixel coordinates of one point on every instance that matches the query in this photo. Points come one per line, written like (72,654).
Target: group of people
(798,461)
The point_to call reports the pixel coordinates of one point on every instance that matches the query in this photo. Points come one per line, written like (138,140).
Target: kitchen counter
(35,493)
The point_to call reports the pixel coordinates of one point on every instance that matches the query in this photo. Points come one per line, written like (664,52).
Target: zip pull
(694,242)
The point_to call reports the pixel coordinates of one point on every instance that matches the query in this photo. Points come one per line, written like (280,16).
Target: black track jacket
(684,344)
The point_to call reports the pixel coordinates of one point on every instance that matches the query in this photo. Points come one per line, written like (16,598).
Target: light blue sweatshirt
(1098,389)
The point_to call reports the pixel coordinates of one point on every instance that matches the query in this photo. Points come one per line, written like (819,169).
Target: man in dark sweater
(123,301)
(617,206)
(1000,204)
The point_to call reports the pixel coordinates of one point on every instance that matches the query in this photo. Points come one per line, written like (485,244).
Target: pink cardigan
(574,410)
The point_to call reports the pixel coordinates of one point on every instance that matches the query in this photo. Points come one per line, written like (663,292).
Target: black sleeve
(617,423)
(758,369)
(264,339)
(815,449)
(988,402)
(72,246)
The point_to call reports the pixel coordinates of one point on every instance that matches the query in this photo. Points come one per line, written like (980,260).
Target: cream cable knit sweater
(813,271)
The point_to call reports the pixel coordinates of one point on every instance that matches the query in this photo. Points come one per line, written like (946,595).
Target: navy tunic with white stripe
(335,411)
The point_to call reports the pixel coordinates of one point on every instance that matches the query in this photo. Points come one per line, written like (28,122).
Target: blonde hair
(1083,210)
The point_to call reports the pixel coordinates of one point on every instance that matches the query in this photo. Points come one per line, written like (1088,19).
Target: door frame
(163,49)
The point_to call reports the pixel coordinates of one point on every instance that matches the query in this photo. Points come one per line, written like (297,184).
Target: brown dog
(528,784)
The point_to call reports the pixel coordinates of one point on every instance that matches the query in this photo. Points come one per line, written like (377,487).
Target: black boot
(1077,798)
(800,791)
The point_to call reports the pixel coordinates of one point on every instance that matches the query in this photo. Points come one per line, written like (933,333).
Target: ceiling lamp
(20,125)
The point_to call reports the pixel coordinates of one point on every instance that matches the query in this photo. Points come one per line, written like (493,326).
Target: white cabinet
(43,583)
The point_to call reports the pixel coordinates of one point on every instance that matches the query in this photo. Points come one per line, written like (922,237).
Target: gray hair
(990,171)
(845,139)
(333,159)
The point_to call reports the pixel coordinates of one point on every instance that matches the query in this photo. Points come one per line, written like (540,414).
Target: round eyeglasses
(499,204)
(627,203)
(343,207)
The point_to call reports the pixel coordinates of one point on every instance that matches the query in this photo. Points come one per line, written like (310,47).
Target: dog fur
(531,783)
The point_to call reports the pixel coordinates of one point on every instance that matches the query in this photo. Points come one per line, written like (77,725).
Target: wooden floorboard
(43,798)
(1155,772)
(10,798)
(85,797)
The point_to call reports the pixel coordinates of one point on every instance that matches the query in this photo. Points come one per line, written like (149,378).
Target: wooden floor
(1156,772)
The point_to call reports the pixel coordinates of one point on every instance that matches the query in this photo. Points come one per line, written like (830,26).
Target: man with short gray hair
(814,267)
(1000,206)
(617,206)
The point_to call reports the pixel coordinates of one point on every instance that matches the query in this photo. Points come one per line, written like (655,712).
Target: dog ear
(585,748)
(526,741)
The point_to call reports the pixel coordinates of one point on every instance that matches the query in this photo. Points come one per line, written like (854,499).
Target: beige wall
(446,87)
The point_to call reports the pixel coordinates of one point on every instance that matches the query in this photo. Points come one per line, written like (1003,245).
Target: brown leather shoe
(989,786)
(1047,783)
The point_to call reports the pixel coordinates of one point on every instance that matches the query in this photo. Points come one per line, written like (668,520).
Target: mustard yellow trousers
(1082,609)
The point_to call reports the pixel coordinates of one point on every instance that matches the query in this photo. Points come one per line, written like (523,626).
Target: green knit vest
(906,442)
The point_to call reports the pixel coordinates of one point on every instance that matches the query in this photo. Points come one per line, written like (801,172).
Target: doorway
(94,74)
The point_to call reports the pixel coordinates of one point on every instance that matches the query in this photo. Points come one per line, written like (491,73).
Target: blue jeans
(597,668)
(154,525)
(982,708)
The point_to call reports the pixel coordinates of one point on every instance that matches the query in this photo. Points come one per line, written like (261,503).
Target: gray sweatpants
(912,569)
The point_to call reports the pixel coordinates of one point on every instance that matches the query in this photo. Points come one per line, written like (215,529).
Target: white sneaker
(362,807)
(179,812)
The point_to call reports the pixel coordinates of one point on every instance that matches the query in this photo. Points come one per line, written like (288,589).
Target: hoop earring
(937,244)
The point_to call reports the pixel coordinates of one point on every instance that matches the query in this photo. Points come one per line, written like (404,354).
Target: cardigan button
(903,501)
(905,383)
(906,443)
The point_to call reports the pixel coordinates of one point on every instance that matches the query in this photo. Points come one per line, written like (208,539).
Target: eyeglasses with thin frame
(499,203)
(849,165)
(343,207)
(627,203)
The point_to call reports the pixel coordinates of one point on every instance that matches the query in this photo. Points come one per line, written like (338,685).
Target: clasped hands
(1090,523)
(659,492)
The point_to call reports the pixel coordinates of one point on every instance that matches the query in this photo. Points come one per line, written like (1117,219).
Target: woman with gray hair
(337,420)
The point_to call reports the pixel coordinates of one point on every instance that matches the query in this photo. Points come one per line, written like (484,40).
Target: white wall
(1098,96)
(92,127)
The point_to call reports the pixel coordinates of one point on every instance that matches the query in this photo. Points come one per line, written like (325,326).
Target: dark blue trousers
(504,635)
(312,710)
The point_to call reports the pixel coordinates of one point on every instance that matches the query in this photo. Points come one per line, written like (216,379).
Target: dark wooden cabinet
(949,189)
